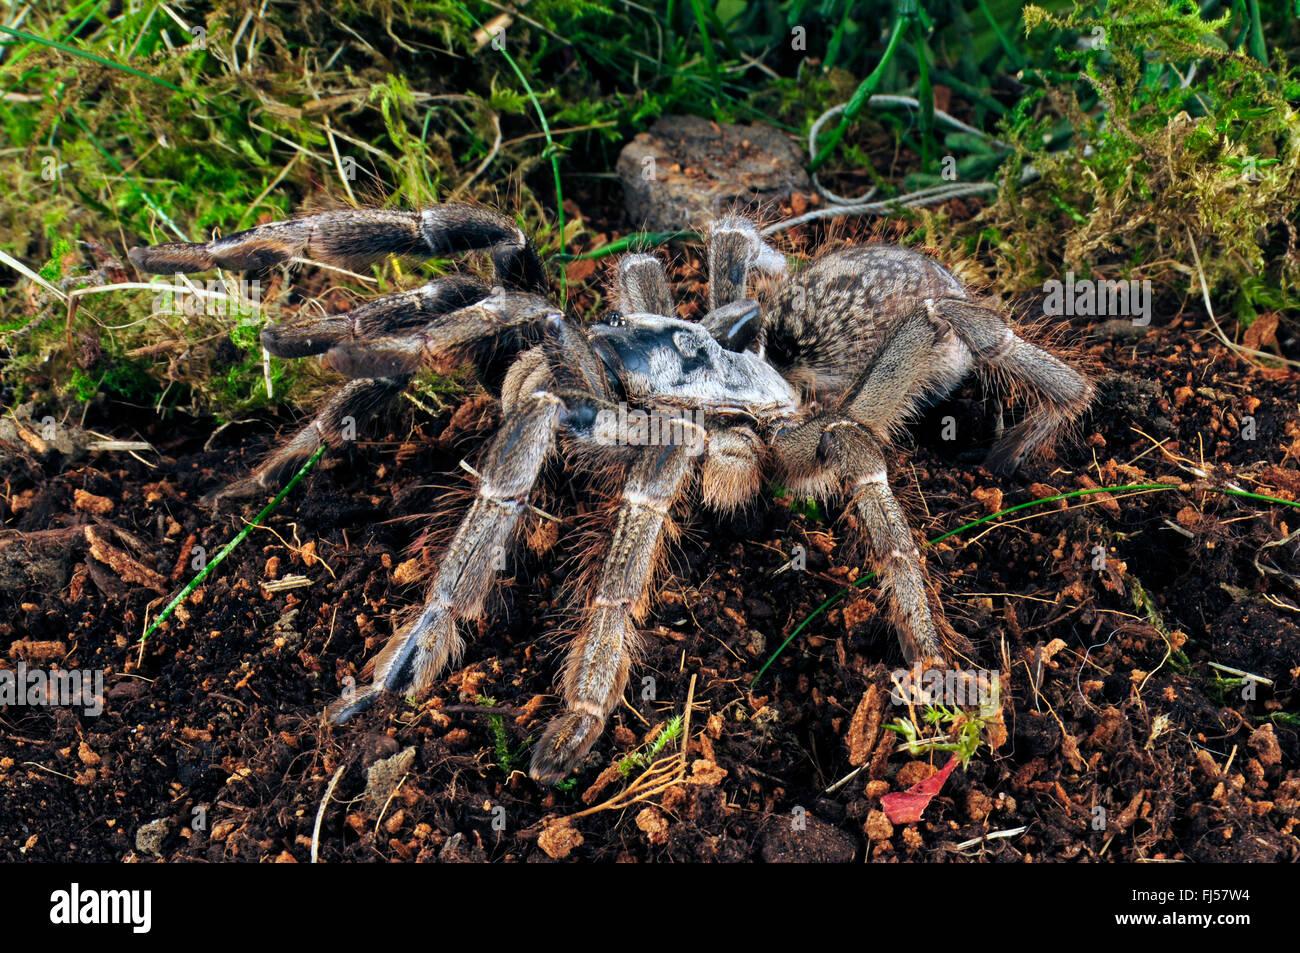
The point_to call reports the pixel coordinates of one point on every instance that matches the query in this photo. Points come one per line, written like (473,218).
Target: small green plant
(52,270)
(969,732)
(1226,689)
(1142,601)
(805,506)
(506,759)
(640,760)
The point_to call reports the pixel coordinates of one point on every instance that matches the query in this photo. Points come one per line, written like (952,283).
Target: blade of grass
(863,93)
(638,241)
(833,47)
(227,549)
(73,51)
(924,93)
(550,143)
(1257,47)
(707,43)
(1007,47)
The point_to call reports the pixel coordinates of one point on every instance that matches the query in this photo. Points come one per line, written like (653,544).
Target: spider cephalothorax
(807,390)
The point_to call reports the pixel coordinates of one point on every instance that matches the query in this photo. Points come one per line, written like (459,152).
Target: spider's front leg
(596,669)
(534,413)
(378,346)
(359,236)
(382,342)
(509,469)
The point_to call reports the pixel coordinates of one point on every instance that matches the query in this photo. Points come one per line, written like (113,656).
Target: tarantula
(808,390)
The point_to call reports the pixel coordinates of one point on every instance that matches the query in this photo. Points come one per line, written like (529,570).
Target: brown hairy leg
(642,287)
(1064,393)
(596,669)
(353,402)
(375,318)
(359,236)
(468,569)
(733,468)
(845,454)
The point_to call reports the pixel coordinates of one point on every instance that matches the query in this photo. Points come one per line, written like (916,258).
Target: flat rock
(383,777)
(687,170)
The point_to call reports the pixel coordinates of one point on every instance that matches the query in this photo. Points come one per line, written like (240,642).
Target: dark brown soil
(213,727)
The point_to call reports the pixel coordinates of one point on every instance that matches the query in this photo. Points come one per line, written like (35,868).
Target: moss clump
(1179,142)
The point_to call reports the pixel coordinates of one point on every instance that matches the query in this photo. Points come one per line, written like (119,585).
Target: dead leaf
(906,807)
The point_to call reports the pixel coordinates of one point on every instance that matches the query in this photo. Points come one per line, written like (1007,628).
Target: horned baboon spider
(807,389)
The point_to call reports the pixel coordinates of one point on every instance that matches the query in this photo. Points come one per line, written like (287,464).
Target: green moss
(1161,160)
(122,378)
(124,130)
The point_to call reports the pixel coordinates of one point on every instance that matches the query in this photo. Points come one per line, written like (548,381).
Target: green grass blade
(73,51)
(862,94)
(550,143)
(227,549)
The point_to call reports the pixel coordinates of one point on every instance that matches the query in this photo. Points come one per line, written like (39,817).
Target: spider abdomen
(835,317)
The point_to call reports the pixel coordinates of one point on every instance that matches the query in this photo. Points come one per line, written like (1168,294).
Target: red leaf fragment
(906,807)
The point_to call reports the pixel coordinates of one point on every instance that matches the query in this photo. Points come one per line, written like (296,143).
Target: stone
(686,170)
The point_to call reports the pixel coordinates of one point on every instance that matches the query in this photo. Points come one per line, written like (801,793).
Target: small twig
(290,581)
(22,269)
(995,835)
(1238,672)
(686,724)
(1274,570)
(49,770)
(391,794)
(338,163)
(656,779)
(846,779)
(320,812)
(1209,310)
(115,445)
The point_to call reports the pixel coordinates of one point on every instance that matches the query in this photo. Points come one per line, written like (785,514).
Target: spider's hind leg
(1063,392)
(474,331)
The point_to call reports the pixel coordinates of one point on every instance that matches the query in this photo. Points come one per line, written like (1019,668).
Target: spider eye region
(688,343)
